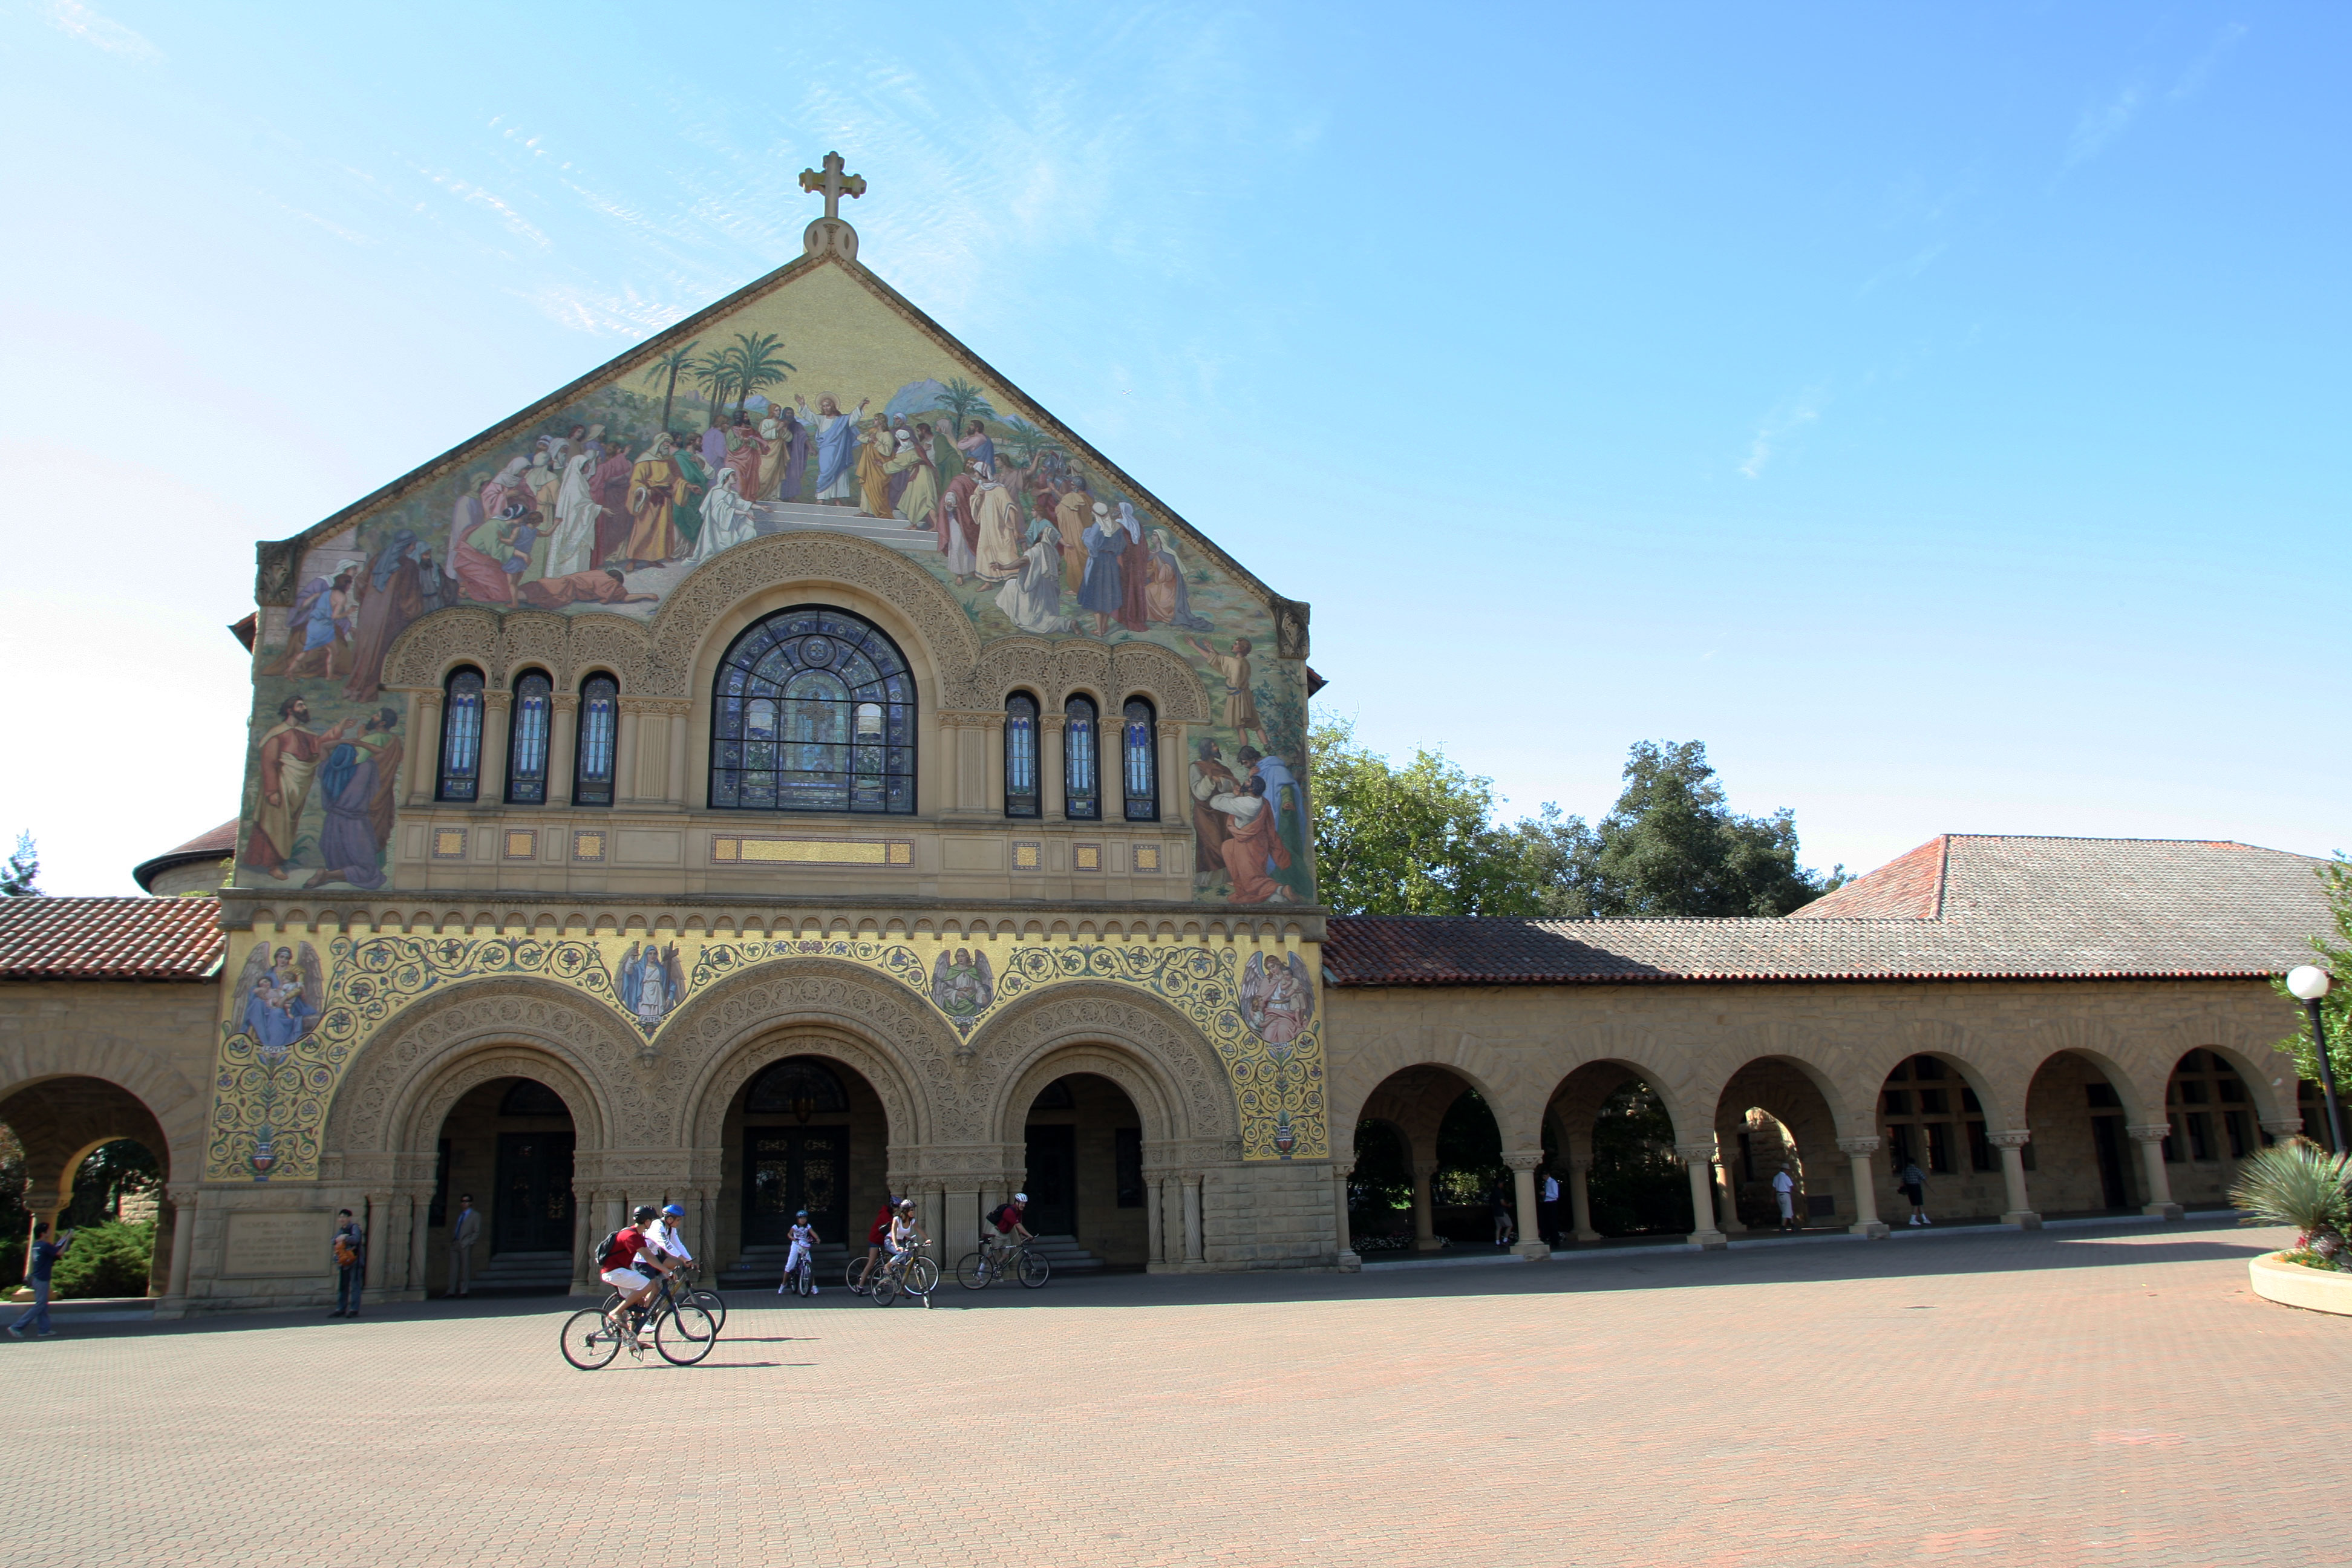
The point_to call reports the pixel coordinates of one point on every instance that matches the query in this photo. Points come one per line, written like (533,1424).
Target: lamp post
(2310,983)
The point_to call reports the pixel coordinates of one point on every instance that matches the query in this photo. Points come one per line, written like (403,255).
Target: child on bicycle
(804,1248)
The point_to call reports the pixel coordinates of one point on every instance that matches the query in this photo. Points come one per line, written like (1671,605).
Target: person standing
(350,1249)
(46,1254)
(1915,1187)
(1547,1207)
(1784,1193)
(464,1232)
(1507,1230)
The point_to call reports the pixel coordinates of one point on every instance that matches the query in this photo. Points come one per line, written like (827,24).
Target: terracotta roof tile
(2012,908)
(1910,888)
(109,939)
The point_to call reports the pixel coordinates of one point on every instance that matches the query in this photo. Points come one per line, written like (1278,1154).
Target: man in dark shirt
(46,1254)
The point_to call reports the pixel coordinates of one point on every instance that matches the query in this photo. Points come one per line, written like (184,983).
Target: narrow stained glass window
(1021,792)
(461,736)
(1140,771)
(1081,788)
(814,710)
(599,722)
(527,739)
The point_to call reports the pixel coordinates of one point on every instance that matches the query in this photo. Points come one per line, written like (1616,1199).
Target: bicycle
(683,1333)
(691,1294)
(801,1278)
(911,1272)
(981,1269)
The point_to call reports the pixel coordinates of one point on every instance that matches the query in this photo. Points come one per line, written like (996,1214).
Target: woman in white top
(726,517)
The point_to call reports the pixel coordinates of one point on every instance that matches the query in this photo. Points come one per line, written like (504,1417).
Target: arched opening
(1609,1140)
(503,1215)
(1458,1183)
(1083,1169)
(2081,1159)
(1770,1119)
(88,1155)
(806,1132)
(2214,1127)
(1931,1122)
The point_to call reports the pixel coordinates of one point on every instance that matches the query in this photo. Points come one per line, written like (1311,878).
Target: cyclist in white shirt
(803,1245)
(663,1234)
(905,1235)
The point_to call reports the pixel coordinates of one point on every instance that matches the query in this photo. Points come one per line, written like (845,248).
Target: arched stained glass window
(461,736)
(534,700)
(801,1086)
(1021,790)
(1081,780)
(1139,762)
(592,757)
(814,710)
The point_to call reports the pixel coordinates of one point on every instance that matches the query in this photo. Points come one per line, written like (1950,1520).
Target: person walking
(1915,1187)
(1547,1208)
(464,1232)
(350,1249)
(46,1254)
(1506,1228)
(1784,1191)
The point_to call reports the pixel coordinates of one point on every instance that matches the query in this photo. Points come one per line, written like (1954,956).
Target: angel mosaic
(961,985)
(278,996)
(652,981)
(1277,998)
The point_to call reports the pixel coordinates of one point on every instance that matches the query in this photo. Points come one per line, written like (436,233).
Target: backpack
(604,1252)
(1000,1214)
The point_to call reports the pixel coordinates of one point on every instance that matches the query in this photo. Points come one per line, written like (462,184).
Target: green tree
(666,368)
(20,871)
(755,365)
(964,403)
(1414,840)
(2335,1009)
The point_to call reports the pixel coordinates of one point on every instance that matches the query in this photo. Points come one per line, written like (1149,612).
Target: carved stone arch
(1081,667)
(1014,664)
(423,656)
(1638,1052)
(895,1039)
(1499,1077)
(1848,1074)
(376,1103)
(179,1107)
(2267,1072)
(1173,686)
(1852,1106)
(451,1079)
(2140,1089)
(1198,1091)
(1157,1100)
(697,607)
(607,641)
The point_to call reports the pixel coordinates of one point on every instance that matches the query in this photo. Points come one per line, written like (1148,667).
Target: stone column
(2283,1127)
(1049,766)
(562,734)
(624,757)
(380,1244)
(1580,1200)
(675,792)
(960,1209)
(1175,797)
(423,746)
(1866,1222)
(2011,1145)
(992,783)
(1155,1196)
(2150,1140)
(1698,1160)
(420,1237)
(1193,1250)
(497,708)
(1424,1207)
(182,1196)
(1523,1163)
(1340,1171)
(1732,1224)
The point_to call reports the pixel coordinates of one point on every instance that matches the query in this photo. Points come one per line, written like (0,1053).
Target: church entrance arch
(808,1130)
(1083,1169)
(503,1204)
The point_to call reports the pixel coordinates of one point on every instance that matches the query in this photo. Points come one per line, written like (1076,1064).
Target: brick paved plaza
(2101,1396)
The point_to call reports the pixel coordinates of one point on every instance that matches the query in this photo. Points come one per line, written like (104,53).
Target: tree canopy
(1423,839)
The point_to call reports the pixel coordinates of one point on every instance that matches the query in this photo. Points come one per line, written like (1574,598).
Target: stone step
(1065,1255)
(525,1272)
(801,517)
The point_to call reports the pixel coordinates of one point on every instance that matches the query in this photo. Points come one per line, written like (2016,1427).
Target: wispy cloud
(2192,80)
(1781,425)
(101,32)
(2097,128)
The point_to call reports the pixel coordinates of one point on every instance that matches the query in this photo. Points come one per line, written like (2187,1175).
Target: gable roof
(635,358)
(1962,907)
(110,939)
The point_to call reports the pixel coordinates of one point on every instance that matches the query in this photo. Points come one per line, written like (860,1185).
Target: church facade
(788,767)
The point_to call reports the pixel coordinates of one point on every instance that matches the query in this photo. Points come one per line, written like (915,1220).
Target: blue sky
(1939,411)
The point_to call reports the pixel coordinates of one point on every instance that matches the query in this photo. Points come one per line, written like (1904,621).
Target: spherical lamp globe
(2308,982)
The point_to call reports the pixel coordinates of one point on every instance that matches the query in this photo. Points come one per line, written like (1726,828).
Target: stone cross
(834,183)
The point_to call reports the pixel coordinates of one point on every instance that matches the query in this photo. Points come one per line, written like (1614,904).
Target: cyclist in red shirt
(1005,1219)
(633,1246)
(877,1233)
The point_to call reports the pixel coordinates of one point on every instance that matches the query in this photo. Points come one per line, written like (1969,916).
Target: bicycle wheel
(804,1278)
(854,1276)
(974,1273)
(685,1334)
(588,1342)
(885,1288)
(1034,1270)
(922,1276)
(711,1302)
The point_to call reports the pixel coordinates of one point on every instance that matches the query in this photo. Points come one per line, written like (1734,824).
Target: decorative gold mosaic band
(884,852)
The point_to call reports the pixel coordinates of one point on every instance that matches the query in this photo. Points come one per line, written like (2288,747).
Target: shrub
(2298,1183)
(107,1259)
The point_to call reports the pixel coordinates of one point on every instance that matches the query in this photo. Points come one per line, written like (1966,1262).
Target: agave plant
(2298,1183)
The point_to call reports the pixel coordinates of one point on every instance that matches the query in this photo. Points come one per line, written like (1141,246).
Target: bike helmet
(803,1214)
(906,1203)
(644,1212)
(1020,1198)
(674,1212)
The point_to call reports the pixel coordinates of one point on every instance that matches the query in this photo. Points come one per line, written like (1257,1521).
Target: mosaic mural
(813,407)
(274,1088)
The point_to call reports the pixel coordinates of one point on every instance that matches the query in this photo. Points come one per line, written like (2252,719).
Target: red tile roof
(217,844)
(109,939)
(2003,907)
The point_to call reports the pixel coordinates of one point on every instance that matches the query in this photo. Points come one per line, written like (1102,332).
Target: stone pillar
(562,750)
(1155,1230)
(408,1213)
(1175,797)
(624,759)
(182,1196)
(1340,1171)
(2281,1128)
(1732,1225)
(1580,1200)
(1866,1222)
(1424,1207)
(1049,766)
(420,1237)
(497,708)
(960,1209)
(423,746)
(1523,1163)
(992,789)
(1193,1250)
(675,792)
(380,1244)
(1698,1160)
(2150,1140)
(2011,1145)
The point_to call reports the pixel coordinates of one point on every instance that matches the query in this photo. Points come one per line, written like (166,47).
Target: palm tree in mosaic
(2298,1183)
(666,368)
(964,403)
(1023,442)
(756,365)
(714,374)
